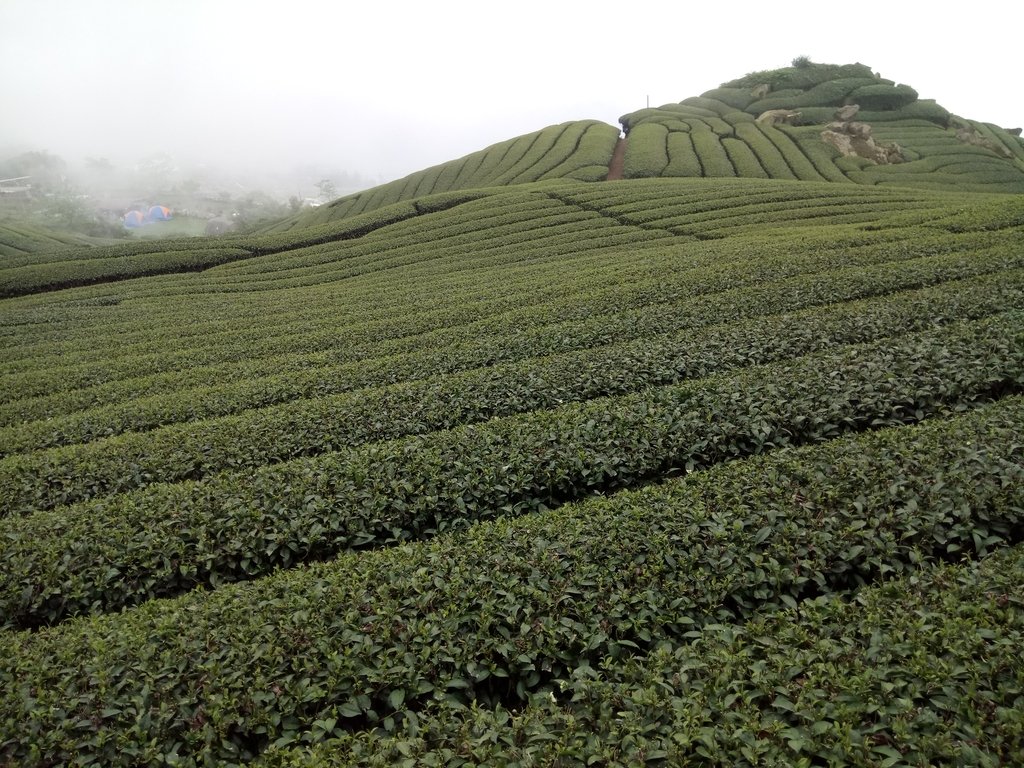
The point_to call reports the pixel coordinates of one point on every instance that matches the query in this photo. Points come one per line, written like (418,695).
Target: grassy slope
(413,373)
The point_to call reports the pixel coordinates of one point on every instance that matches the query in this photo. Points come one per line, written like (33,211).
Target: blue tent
(159,213)
(134,219)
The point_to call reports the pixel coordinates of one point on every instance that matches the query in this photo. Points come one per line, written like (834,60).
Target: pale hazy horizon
(386,90)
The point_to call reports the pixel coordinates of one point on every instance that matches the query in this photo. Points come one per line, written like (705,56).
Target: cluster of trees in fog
(92,196)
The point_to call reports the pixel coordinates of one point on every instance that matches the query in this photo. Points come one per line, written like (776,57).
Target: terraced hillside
(823,123)
(765,125)
(721,471)
(17,240)
(580,149)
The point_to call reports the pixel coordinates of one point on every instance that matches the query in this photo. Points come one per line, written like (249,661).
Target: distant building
(13,187)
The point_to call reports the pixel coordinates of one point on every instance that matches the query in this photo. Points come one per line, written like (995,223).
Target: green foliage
(915,650)
(801,78)
(682,157)
(785,152)
(709,103)
(883,97)
(662,470)
(646,151)
(768,155)
(18,239)
(590,156)
(821,155)
(743,159)
(568,150)
(127,262)
(475,472)
(831,93)
(156,401)
(226,674)
(713,159)
(737,98)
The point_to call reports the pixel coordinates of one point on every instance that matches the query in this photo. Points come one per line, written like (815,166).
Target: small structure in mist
(158,213)
(135,218)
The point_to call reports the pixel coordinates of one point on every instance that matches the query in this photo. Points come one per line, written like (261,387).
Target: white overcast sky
(387,87)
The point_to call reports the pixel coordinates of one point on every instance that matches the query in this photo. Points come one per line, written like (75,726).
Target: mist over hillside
(93,194)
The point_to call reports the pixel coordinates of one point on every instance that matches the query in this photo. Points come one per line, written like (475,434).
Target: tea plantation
(542,470)
(813,122)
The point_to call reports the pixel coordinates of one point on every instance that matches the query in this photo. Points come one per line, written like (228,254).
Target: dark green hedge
(166,539)
(737,98)
(801,78)
(920,671)
(511,608)
(646,151)
(38,278)
(883,97)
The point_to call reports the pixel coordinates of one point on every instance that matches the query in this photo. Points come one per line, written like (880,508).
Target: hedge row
(610,317)
(321,337)
(646,151)
(590,157)
(767,153)
(831,93)
(510,608)
(926,111)
(188,451)
(990,215)
(682,157)
(833,211)
(25,383)
(713,159)
(735,219)
(530,218)
(221,312)
(563,157)
(524,243)
(802,166)
(165,539)
(818,153)
(686,196)
(800,78)
(921,671)
(1013,144)
(512,354)
(309,278)
(883,103)
(743,159)
(514,161)
(735,98)
(19,281)
(383,253)
(21,244)
(708,104)
(538,150)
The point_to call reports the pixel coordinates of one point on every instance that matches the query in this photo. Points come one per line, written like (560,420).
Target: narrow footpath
(618,161)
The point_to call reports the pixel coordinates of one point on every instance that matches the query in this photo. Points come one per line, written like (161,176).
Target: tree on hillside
(48,173)
(327,190)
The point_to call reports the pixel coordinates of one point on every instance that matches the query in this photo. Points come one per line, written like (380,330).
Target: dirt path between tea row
(618,161)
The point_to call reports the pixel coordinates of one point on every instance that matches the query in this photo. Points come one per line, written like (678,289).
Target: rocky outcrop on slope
(853,138)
